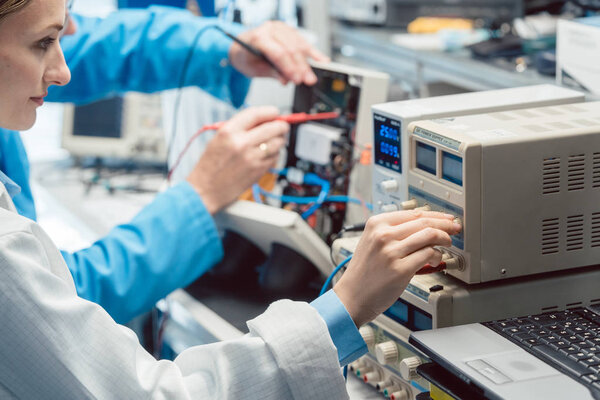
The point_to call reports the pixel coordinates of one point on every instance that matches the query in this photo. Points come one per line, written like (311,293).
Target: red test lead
(296,118)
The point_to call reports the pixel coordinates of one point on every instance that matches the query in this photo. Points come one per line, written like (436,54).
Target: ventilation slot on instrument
(595,230)
(502,116)
(576,174)
(551,111)
(536,128)
(526,113)
(551,176)
(570,108)
(550,233)
(575,232)
(584,122)
(560,125)
(596,170)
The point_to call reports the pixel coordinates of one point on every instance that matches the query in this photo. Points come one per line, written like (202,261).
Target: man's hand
(393,247)
(283,46)
(238,155)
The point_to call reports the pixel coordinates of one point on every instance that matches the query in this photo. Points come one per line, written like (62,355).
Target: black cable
(184,72)
(348,228)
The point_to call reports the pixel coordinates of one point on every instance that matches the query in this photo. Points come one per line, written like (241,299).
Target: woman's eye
(46,42)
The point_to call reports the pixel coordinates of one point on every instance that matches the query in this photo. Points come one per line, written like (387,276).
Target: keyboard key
(591,378)
(546,319)
(568,351)
(522,336)
(539,332)
(561,344)
(531,342)
(549,339)
(562,361)
(590,362)
(578,356)
(583,344)
(503,325)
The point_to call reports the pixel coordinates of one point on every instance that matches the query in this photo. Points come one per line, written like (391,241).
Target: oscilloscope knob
(387,352)
(389,185)
(410,204)
(408,368)
(368,335)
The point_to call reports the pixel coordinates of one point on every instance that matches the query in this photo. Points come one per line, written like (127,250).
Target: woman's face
(30,60)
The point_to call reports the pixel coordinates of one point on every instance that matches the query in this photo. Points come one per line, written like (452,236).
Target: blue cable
(334,273)
(320,199)
(308,200)
(324,289)
(256,193)
(309,179)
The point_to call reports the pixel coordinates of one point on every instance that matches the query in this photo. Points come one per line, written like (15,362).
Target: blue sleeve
(166,246)
(145,50)
(14,163)
(346,338)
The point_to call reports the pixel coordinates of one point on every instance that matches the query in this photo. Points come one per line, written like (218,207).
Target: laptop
(553,355)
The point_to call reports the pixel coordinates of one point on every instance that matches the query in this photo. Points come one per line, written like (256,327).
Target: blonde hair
(10,6)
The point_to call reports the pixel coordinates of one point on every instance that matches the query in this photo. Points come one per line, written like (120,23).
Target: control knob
(368,335)
(409,204)
(408,368)
(387,352)
(389,185)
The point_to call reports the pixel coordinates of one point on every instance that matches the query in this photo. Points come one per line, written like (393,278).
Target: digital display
(409,316)
(387,142)
(426,159)
(452,168)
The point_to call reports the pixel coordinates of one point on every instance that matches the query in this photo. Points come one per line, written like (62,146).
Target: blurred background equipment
(577,55)
(399,13)
(123,127)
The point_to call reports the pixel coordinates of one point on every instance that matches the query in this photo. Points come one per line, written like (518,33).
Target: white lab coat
(56,345)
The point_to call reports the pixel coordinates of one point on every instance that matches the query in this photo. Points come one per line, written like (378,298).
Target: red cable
(296,118)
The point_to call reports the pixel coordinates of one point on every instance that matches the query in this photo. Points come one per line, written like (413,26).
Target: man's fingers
(250,118)
(281,56)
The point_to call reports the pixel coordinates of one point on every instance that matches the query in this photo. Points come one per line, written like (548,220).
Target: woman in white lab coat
(56,345)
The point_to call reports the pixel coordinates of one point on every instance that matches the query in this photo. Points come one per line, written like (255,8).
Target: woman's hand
(240,153)
(393,247)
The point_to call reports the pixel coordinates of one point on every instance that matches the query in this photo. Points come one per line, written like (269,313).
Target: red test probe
(296,118)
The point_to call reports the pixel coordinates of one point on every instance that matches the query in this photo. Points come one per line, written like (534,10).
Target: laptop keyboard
(567,340)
